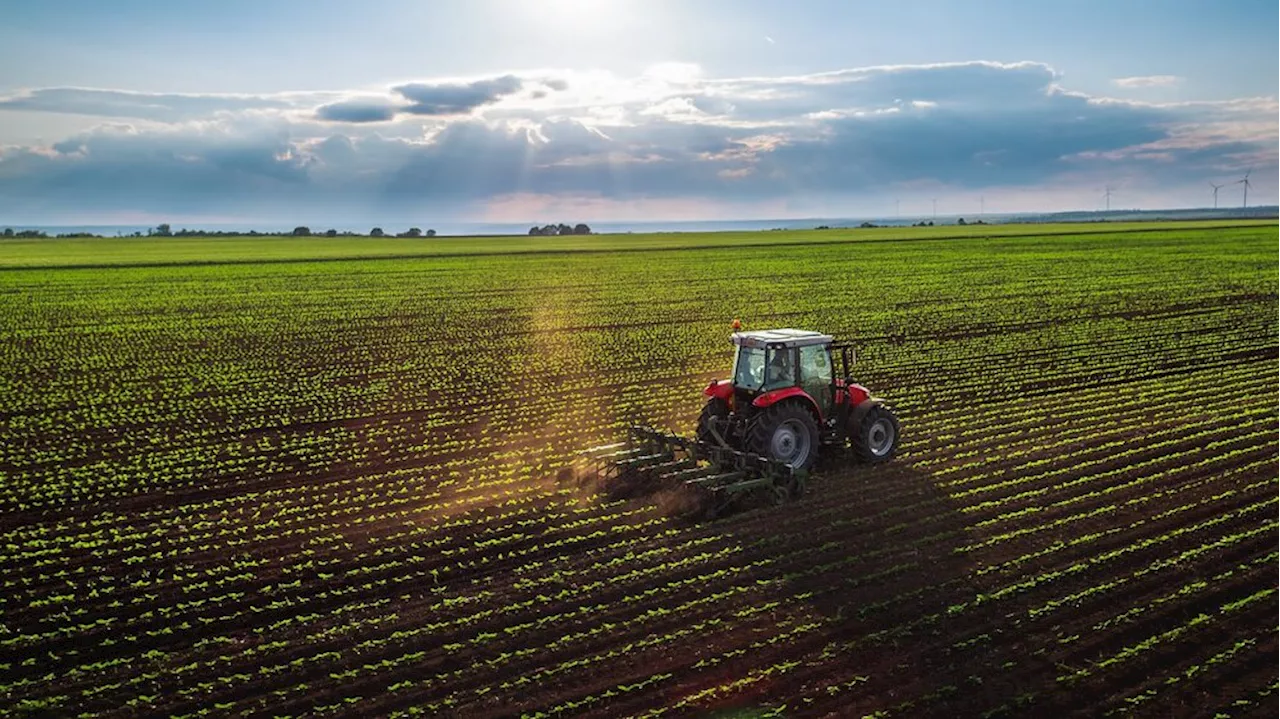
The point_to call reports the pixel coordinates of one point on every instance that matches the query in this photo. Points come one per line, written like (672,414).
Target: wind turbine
(935,209)
(1245,181)
(1107,195)
(1215,193)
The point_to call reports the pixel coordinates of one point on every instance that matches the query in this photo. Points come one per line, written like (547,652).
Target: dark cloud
(431,100)
(963,144)
(178,171)
(456,98)
(356,111)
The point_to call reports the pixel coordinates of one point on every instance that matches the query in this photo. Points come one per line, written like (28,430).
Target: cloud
(357,111)
(669,138)
(417,98)
(971,84)
(456,98)
(435,99)
(1147,81)
(120,167)
(160,107)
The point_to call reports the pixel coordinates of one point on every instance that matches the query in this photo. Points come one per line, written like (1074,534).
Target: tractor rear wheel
(875,439)
(714,414)
(786,432)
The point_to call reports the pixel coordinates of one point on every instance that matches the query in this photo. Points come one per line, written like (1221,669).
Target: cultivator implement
(707,479)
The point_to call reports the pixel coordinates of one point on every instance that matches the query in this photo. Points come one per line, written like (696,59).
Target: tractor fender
(722,389)
(771,398)
(851,392)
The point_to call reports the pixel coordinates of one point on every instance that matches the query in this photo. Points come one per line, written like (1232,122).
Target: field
(329,477)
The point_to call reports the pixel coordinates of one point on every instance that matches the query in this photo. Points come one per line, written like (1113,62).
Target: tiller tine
(709,476)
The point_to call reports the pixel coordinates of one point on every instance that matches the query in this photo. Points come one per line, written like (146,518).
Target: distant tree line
(411,232)
(560,229)
(921,223)
(26,234)
(10,233)
(166,230)
(301,230)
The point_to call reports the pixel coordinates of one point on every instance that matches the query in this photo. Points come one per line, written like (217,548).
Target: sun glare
(575,15)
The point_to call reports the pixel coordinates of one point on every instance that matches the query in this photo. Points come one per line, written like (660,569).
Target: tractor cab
(770,360)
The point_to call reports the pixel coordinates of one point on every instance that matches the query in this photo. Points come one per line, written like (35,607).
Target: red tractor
(761,431)
(785,402)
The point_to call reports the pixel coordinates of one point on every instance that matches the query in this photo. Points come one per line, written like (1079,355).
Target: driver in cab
(781,371)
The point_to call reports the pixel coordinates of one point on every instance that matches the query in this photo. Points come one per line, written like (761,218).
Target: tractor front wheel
(786,432)
(875,438)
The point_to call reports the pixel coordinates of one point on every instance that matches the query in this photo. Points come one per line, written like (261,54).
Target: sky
(139,111)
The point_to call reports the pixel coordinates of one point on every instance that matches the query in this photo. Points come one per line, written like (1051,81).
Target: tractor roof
(783,337)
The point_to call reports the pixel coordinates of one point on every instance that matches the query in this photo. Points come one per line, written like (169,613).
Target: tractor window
(748,368)
(781,368)
(815,374)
